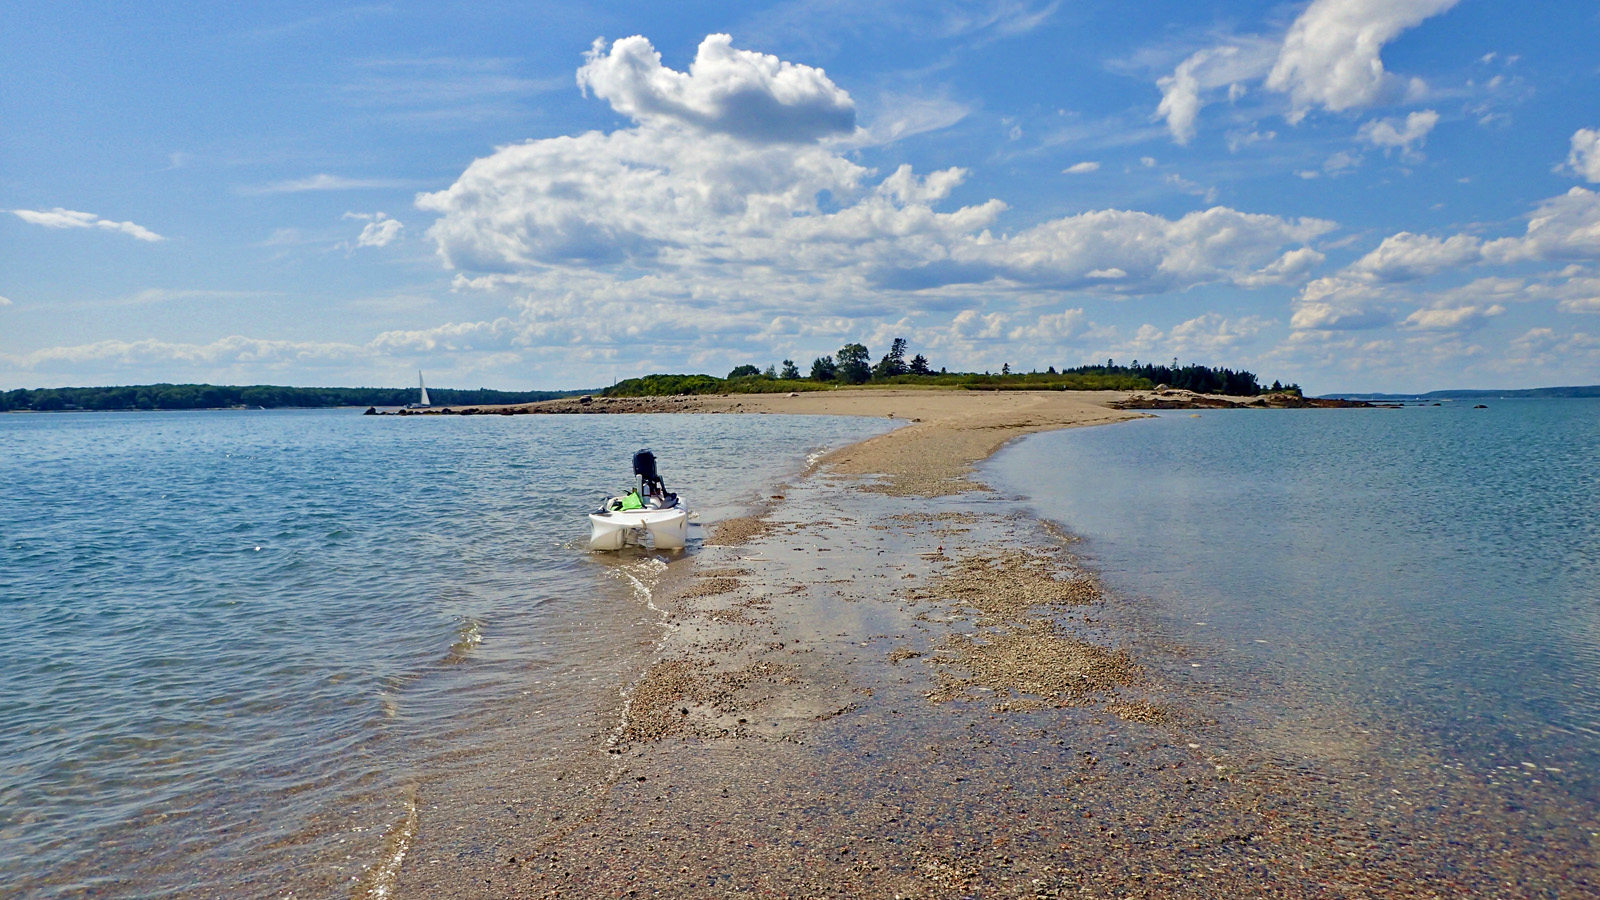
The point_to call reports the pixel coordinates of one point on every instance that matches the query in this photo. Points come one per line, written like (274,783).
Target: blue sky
(1351,194)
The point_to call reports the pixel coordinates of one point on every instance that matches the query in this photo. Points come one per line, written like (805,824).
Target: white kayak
(667,527)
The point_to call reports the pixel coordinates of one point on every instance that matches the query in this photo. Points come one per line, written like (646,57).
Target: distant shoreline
(50,412)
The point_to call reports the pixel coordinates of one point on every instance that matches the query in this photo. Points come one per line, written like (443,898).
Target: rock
(371,411)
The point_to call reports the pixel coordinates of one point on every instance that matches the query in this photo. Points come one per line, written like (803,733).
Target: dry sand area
(949,430)
(893,682)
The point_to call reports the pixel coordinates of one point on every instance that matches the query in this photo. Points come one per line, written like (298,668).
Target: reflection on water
(238,642)
(1350,575)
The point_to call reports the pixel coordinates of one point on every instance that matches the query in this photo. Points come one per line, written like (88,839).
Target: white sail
(422,389)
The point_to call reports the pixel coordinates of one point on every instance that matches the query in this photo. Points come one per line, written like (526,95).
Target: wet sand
(892,682)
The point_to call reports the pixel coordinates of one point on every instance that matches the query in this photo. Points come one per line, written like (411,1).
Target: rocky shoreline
(1179,399)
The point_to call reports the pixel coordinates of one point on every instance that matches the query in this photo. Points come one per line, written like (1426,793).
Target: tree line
(1200,379)
(214,396)
(853,365)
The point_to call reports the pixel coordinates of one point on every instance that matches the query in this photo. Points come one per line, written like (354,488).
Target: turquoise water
(1428,573)
(237,642)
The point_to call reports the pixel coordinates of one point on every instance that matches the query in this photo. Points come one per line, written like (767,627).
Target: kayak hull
(667,529)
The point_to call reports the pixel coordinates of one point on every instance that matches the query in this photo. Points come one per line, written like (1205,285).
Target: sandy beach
(891,681)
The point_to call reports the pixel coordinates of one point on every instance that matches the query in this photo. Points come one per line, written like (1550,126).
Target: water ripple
(236,640)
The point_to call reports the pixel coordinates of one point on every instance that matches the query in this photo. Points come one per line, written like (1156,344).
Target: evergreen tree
(790,371)
(823,369)
(919,365)
(893,362)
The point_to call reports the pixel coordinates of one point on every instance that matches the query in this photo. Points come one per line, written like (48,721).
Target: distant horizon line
(1438,392)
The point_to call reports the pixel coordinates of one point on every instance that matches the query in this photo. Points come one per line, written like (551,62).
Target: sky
(1354,195)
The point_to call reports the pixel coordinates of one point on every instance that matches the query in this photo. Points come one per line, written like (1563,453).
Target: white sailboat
(422,395)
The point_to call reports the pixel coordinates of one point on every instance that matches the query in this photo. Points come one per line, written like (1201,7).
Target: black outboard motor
(644,466)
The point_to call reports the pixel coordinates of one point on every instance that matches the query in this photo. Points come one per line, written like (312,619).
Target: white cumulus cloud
(1214,333)
(705,225)
(1331,56)
(672,197)
(67,218)
(1291,268)
(379,234)
(1406,256)
(1577,291)
(1564,227)
(456,337)
(1228,65)
(1334,303)
(1452,318)
(1561,228)
(1376,289)
(380,230)
(1406,135)
(751,95)
(1052,328)
(1547,349)
(1584,159)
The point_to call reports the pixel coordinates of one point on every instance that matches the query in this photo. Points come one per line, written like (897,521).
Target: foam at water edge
(379,881)
(644,583)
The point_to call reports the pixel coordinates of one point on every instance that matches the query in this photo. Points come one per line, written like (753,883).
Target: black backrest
(644,465)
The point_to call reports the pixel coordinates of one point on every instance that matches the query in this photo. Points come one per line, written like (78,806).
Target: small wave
(380,880)
(644,583)
(643,576)
(469,634)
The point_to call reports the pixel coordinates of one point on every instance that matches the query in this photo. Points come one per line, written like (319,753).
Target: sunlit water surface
(1427,572)
(237,641)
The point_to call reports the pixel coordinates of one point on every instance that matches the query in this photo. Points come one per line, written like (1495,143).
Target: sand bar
(893,683)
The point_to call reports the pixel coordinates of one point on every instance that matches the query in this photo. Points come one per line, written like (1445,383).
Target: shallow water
(241,643)
(1361,584)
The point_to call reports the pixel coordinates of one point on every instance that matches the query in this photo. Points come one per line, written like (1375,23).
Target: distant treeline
(853,365)
(1573,391)
(1200,379)
(215,396)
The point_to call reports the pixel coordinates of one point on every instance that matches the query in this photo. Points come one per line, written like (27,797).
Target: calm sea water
(1432,572)
(237,642)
